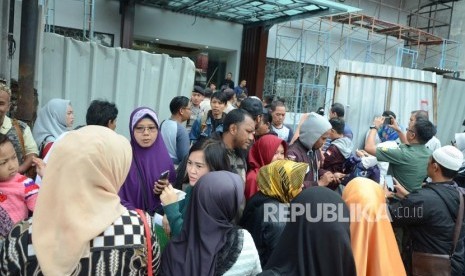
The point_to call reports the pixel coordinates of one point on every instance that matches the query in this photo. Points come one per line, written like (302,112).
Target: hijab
(51,121)
(261,153)
(146,167)
(79,196)
(373,241)
(213,206)
(314,248)
(282,179)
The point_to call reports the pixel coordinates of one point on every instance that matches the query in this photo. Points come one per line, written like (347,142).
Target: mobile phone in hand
(387,120)
(389,183)
(164,175)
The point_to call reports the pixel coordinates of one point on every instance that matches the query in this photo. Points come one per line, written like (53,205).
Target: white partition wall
(367,89)
(451,111)
(82,72)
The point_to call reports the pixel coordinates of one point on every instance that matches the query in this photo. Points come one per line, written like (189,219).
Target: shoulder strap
(20,136)
(458,223)
(458,220)
(148,239)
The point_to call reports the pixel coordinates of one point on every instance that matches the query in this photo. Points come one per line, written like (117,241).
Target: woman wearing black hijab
(314,248)
(209,244)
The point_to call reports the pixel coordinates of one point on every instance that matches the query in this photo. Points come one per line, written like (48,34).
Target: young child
(18,193)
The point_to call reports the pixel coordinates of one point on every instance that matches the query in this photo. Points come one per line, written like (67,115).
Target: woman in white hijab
(79,226)
(52,120)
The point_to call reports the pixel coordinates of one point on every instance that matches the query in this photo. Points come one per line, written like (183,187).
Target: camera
(387,120)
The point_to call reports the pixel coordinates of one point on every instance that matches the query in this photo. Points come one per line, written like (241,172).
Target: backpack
(353,167)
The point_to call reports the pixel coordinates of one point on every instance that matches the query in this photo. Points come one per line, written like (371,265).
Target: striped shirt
(248,262)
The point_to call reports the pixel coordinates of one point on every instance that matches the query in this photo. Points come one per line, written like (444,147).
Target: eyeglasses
(142,129)
(411,130)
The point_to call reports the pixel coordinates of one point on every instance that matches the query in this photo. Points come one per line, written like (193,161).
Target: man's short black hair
(420,114)
(268,99)
(229,93)
(199,89)
(100,112)
(424,130)
(275,104)
(220,96)
(253,106)
(337,124)
(266,118)
(177,103)
(388,113)
(208,92)
(448,173)
(338,109)
(235,116)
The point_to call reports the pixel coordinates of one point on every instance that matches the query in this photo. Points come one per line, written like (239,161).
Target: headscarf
(282,179)
(147,166)
(373,241)
(261,153)
(51,121)
(314,248)
(79,196)
(214,203)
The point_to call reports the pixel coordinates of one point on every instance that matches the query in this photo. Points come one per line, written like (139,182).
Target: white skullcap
(449,157)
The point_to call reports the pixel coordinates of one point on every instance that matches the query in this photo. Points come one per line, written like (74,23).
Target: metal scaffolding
(421,49)
(299,73)
(306,49)
(87,32)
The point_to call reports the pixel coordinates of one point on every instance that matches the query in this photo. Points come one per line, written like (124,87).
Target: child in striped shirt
(18,193)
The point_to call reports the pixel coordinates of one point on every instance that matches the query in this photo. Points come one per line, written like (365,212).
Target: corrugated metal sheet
(82,72)
(451,111)
(367,89)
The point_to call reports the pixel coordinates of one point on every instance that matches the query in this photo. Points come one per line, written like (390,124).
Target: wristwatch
(373,127)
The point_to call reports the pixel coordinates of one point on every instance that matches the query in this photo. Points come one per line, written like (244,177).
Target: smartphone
(387,120)
(389,183)
(164,175)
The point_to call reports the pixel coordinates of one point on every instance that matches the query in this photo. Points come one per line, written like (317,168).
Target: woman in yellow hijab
(279,182)
(373,242)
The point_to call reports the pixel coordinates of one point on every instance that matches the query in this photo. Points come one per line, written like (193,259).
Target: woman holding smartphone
(204,156)
(150,160)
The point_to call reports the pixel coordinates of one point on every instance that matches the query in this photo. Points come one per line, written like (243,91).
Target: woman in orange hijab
(373,242)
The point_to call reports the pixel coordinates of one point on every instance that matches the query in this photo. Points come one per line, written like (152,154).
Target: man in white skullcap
(430,213)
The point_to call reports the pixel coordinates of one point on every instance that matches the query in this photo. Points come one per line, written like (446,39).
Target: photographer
(432,229)
(408,161)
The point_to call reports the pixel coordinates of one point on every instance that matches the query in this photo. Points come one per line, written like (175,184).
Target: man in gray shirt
(174,134)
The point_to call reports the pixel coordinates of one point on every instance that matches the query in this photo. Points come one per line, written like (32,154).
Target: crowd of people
(224,187)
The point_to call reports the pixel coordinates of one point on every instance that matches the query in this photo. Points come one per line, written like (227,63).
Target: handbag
(148,239)
(424,264)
